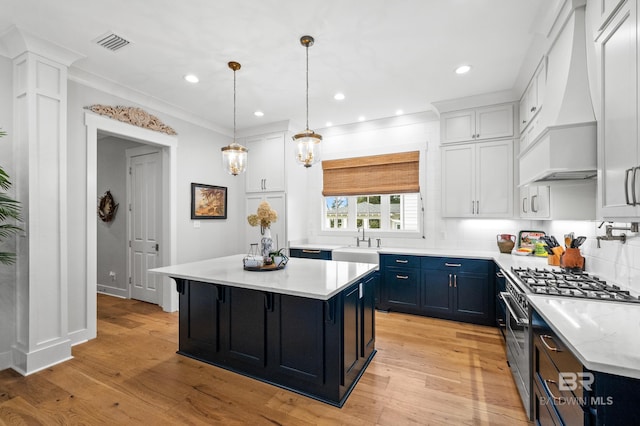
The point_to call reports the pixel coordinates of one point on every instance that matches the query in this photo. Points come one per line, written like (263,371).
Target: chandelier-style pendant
(307,141)
(234,156)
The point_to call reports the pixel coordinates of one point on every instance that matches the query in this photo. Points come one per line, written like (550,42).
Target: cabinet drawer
(456,264)
(563,401)
(310,253)
(399,260)
(560,356)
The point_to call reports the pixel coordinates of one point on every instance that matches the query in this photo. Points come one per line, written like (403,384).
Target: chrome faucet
(358,240)
(609,234)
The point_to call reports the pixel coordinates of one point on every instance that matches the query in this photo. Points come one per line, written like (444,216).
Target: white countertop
(603,335)
(315,279)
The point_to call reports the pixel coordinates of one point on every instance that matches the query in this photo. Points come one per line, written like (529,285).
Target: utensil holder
(572,260)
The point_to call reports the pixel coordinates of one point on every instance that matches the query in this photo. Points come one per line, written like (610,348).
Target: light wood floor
(426,371)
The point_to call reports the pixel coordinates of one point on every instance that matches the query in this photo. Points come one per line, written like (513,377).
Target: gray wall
(199,160)
(112,236)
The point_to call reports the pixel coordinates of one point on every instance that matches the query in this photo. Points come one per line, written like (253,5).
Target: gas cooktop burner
(580,284)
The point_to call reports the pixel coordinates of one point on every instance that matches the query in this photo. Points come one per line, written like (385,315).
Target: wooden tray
(264,268)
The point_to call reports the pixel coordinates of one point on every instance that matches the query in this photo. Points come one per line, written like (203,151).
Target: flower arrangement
(264,217)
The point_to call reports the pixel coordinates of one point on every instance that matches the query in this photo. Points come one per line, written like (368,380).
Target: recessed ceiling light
(399,112)
(259,114)
(338,96)
(361,118)
(191,78)
(463,69)
(329,124)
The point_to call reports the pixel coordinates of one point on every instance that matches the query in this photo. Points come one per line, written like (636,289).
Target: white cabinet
(277,201)
(533,97)
(477,179)
(265,167)
(491,122)
(534,202)
(561,201)
(619,149)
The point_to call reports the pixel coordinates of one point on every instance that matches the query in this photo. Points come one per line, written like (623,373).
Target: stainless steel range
(560,283)
(518,338)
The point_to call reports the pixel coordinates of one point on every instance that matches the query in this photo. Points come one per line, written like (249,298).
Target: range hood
(566,147)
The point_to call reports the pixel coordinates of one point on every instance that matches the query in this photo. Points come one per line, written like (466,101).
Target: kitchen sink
(356,254)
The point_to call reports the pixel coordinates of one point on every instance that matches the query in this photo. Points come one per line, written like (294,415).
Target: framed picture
(208,201)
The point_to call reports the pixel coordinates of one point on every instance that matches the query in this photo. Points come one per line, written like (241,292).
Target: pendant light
(234,156)
(307,142)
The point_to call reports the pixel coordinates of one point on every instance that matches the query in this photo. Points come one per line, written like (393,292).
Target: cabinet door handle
(311,251)
(473,207)
(524,205)
(533,203)
(453,265)
(543,338)
(633,186)
(626,186)
(361,290)
(455,281)
(449,280)
(402,277)
(401,261)
(533,109)
(524,121)
(546,382)
(478,207)
(477,135)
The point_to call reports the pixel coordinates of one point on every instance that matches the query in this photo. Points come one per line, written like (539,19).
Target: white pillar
(40,140)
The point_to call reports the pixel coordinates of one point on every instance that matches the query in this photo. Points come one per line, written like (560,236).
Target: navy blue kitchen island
(308,328)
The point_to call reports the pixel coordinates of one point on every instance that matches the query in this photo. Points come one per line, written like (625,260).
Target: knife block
(572,259)
(554,259)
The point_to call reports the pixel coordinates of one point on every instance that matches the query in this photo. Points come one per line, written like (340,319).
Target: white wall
(199,160)
(112,236)
(7,273)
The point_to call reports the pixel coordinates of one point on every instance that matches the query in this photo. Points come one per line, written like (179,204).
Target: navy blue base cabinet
(310,253)
(313,347)
(449,288)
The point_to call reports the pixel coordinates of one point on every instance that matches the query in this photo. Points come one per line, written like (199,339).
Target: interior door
(145,226)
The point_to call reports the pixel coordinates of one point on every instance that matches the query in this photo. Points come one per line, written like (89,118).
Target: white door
(145,225)
(458,126)
(495,121)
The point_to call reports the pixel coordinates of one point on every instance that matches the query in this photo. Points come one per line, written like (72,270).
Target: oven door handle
(519,321)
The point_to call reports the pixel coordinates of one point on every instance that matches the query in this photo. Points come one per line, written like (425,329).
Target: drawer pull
(449,280)
(402,277)
(543,338)
(311,251)
(453,265)
(547,382)
(401,261)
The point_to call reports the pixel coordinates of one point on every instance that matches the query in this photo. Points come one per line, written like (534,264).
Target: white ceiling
(383,55)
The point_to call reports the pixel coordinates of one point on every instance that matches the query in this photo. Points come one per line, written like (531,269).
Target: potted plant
(278,258)
(9,211)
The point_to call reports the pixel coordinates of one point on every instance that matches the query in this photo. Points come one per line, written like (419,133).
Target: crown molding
(17,41)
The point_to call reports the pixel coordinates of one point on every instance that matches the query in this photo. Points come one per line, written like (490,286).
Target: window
(395,212)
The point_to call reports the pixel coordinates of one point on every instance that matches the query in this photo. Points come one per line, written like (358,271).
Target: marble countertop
(310,278)
(603,335)
(328,247)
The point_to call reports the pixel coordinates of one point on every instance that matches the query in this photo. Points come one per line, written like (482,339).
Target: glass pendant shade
(307,147)
(234,158)
(307,142)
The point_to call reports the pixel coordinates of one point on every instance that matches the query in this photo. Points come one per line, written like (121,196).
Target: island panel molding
(132,115)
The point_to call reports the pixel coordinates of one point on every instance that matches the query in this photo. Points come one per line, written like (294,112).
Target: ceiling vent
(111,41)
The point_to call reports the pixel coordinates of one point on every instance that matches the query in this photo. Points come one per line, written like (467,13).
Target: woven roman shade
(376,174)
